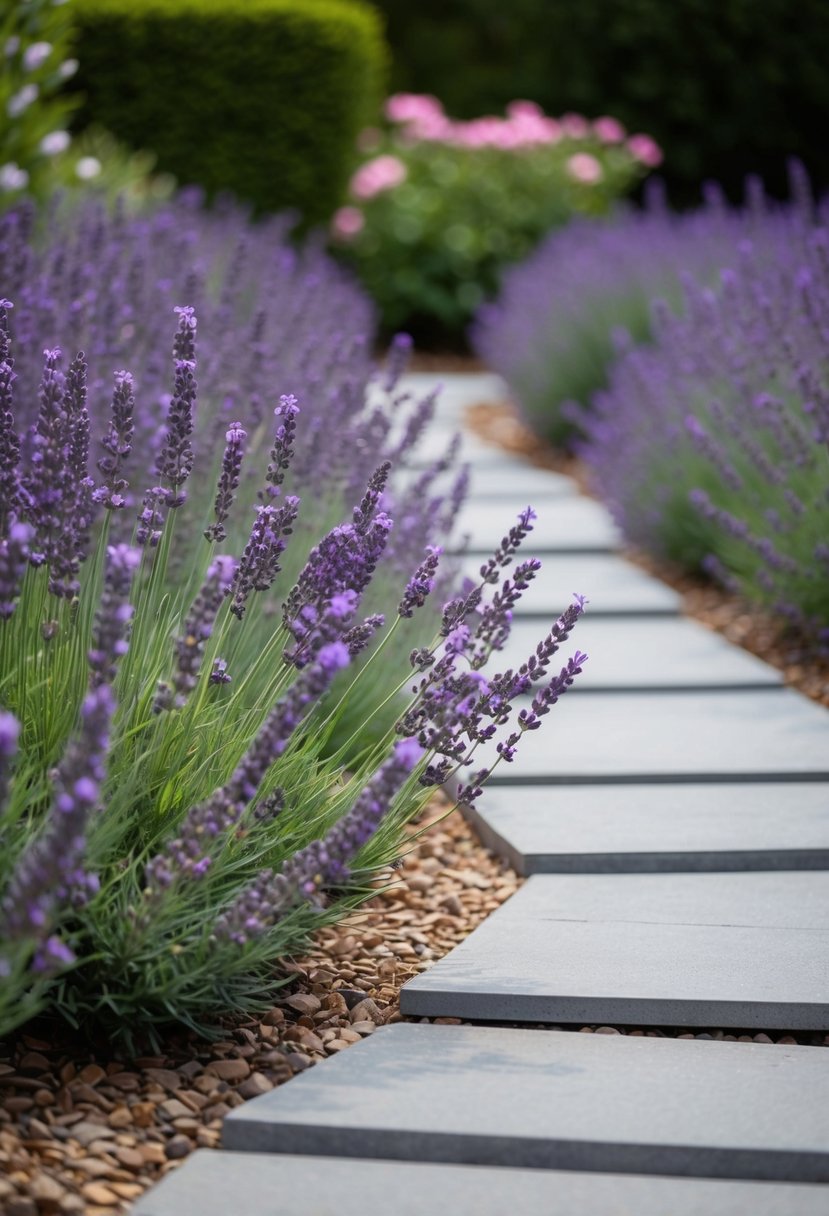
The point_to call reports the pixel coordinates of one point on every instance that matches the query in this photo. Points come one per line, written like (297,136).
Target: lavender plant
(585,296)
(198,580)
(711,446)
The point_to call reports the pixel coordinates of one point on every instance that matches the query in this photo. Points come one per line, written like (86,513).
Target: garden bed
(728,614)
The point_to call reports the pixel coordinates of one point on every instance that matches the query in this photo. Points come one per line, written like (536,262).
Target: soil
(728,614)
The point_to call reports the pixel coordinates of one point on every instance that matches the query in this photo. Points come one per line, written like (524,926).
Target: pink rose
(375,176)
(347,222)
(645,150)
(584,168)
(609,130)
(410,107)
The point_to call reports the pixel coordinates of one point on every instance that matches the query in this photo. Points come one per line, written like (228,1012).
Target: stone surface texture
(641,828)
(741,950)
(253,1184)
(493,1096)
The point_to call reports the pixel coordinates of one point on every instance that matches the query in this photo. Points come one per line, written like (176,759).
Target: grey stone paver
(613,586)
(666,736)
(565,525)
(674,653)
(741,950)
(513,486)
(650,828)
(609,1103)
(252,1184)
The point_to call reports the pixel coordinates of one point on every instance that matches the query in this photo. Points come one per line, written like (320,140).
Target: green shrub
(727,87)
(34,65)
(262,98)
(440,207)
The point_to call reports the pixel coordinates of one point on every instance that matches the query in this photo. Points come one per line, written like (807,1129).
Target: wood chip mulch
(728,614)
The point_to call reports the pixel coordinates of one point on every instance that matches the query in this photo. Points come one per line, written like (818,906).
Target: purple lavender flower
(117,442)
(228,480)
(259,563)
(9,735)
(114,613)
(422,582)
(323,863)
(175,461)
(283,445)
(189,853)
(15,554)
(50,871)
(198,627)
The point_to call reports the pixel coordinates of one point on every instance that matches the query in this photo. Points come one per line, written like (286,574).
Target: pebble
(178,1147)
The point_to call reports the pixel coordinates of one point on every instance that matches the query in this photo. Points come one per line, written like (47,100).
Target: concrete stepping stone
(477,1095)
(613,586)
(256,1184)
(665,736)
(513,486)
(458,390)
(601,829)
(564,525)
(674,654)
(711,950)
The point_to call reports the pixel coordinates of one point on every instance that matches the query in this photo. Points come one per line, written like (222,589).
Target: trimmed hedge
(263,98)
(726,87)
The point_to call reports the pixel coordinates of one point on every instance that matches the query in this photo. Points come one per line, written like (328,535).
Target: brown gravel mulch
(728,614)
(84,1130)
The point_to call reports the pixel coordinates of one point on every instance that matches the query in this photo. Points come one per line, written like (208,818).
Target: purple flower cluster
(564,314)
(710,446)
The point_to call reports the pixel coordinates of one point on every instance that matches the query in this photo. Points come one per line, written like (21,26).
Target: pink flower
(524,109)
(609,130)
(375,176)
(410,107)
(584,168)
(645,150)
(574,126)
(347,222)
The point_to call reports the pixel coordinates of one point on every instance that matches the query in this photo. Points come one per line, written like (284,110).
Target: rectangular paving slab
(613,586)
(670,654)
(602,829)
(479,1095)
(514,485)
(257,1184)
(711,950)
(564,525)
(667,736)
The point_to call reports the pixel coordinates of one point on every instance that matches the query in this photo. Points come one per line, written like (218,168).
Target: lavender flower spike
(9,734)
(117,442)
(199,626)
(175,461)
(259,564)
(509,545)
(50,871)
(228,480)
(422,582)
(113,615)
(283,445)
(322,863)
(14,555)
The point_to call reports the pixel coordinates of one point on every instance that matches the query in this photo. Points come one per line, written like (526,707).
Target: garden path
(673,820)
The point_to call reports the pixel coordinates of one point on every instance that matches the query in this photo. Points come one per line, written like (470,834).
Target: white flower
(68,68)
(12,177)
(12,46)
(21,100)
(87,168)
(55,142)
(36,55)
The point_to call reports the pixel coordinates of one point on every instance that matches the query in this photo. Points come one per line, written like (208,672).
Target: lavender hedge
(565,313)
(206,570)
(711,445)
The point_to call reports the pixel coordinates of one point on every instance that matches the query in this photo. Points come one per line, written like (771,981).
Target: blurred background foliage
(726,87)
